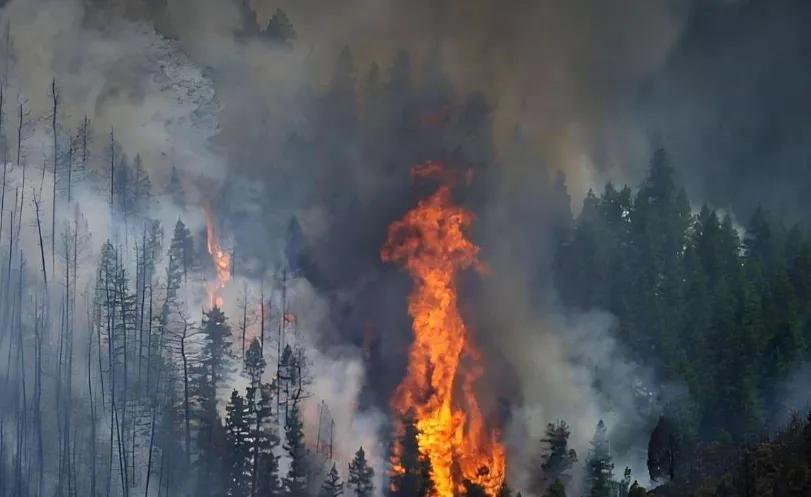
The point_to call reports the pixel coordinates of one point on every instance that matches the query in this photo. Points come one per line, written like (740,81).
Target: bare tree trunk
(41,247)
(55,96)
(149,457)
(70,168)
(92,415)
(22,185)
(186,406)
(244,318)
(5,161)
(7,287)
(112,176)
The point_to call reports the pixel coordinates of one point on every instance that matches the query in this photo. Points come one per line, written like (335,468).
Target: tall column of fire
(430,242)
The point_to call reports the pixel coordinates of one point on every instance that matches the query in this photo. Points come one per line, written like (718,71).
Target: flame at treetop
(221,260)
(438,390)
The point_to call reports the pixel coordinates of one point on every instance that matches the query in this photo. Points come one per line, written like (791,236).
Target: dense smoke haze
(166,160)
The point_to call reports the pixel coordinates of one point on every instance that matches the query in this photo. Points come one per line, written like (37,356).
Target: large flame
(430,242)
(221,260)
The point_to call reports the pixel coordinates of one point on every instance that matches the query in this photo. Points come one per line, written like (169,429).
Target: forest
(261,249)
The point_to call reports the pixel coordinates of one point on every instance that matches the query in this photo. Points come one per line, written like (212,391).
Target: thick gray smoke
(551,86)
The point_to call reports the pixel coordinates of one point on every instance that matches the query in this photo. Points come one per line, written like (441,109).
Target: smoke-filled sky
(591,87)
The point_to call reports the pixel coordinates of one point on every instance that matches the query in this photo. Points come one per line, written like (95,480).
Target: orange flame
(221,260)
(430,242)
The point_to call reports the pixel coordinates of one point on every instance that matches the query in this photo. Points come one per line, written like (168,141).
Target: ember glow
(221,260)
(439,388)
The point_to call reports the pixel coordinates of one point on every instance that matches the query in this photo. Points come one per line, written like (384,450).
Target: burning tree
(453,437)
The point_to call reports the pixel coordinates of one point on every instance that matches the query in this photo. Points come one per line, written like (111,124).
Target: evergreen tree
(556,457)
(142,187)
(254,362)
(622,487)
(211,448)
(266,464)
(237,432)
(295,482)
(412,478)
(636,490)
(662,451)
(332,486)
(599,468)
(473,490)
(216,347)
(659,221)
(181,257)
(361,475)
(760,242)
(175,189)
(249,26)
(280,30)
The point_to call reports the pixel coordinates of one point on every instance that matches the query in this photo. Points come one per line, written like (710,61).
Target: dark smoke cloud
(731,104)
(583,86)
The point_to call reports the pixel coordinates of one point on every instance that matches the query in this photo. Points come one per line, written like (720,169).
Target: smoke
(175,84)
(729,103)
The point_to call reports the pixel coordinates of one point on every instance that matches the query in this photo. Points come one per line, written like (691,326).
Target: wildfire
(443,365)
(221,260)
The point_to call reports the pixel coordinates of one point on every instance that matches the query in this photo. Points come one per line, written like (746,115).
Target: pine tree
(266,472)
(332,486)
(175,189)
(599,468)
(621,487)
(662,451)
(237,433)
(248,24)
(412,478)
(360,475)
(254,362)
(181,256)
(141,188)
(636,490)
(280,30)
(211,447)
(556,458)
(216,347)
(473,490)
(295,483)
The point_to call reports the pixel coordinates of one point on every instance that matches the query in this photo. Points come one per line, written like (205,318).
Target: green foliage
(295,482)
(728,316)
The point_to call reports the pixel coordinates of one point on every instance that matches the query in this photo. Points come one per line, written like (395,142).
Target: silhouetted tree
(280,30)
(332,486)
(599,468)
(361,475)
